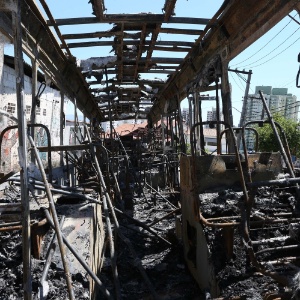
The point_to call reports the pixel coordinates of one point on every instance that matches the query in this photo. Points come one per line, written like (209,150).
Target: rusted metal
(165,216)
(63,147)
(237,156)
(110,170)
(3,178)
(158,193)
(62,126)
(48,138)
(129,27)
(261,22)
(102,288)
(64,190)
(107,201)
(277,249)
(48,260)
(38,230)
(54,215)
(246,211)
(22,128)
(141,224)
(225,222)
(278,182)
(238,130)
(105,198)
(283,152)
(228,233)
(34,97)
(245,220)
(215,46)
(261,123)
(49,14)
(15,226)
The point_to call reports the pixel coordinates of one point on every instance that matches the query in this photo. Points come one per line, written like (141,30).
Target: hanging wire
(237,83)
(292,81)
(264,45)
(277,54)
(275,48)
(240,78)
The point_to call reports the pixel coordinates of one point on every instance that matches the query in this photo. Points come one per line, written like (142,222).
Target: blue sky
(272,59)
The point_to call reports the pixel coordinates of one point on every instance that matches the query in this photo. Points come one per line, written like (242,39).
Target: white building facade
(47,114)
(278,100)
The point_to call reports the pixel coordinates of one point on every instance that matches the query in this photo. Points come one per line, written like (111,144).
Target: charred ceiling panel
(62,69)
(135,40)
(235,26)
(98,8)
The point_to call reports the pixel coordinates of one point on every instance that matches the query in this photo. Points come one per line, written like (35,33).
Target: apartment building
(278,101)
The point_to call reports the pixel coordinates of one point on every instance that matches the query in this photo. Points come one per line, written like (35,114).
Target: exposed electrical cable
(293,18)
(251,64)
(264,45)
(277,53)
(236,82)
(284,85)
(240,77)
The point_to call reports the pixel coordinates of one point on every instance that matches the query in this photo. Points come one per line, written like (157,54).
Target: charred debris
(144,214)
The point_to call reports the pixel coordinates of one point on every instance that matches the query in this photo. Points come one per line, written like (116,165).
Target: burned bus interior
(142,210)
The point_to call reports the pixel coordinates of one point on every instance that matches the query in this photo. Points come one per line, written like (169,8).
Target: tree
(267,141)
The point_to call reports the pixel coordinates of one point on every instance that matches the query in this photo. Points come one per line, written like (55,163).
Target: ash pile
(260,261)
(47,271)
(132,245)
(150,255)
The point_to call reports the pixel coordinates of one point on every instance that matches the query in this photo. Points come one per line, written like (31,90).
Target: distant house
(210,140)
(129,129)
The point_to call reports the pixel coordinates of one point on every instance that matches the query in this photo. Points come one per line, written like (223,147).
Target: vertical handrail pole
(282,150)
(105,199)
(180,129)
(55,220)
(243,114)
(33,101)
(62,125)
(218,115)
(22,128)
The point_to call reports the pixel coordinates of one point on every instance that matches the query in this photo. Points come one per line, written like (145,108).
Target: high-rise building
(185,114)
(212,114)
(278,100)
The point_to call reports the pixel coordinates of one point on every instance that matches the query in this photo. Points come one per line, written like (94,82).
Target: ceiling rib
(140,51)
(98,8)
(169,9)
(136,18)
(134,39)
(49,15)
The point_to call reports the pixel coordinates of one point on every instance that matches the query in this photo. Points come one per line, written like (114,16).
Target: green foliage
(268,142)
(188,149)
